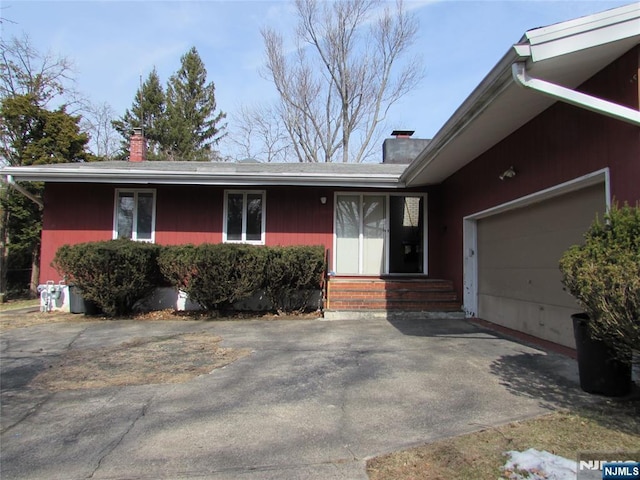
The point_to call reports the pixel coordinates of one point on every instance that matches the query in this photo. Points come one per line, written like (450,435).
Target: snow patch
(538,465)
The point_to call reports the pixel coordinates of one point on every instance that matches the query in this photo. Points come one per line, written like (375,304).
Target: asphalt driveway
(313,400)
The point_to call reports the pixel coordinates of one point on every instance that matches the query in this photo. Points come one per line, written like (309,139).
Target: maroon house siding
(77,213)
(74,213)
(296,216)
(188,214)
(562,143)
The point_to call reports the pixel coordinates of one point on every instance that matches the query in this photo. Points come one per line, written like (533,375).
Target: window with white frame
(134,216)
(244,218)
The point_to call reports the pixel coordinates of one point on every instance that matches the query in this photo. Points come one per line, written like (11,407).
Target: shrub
(603,274)
(114,274)
(215,276)
(178,265)
(292,274)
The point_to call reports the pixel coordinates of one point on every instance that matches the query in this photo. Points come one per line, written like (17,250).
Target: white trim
(134,231)
(227,179)
(470,227)
(244,194)
(573,97)
(583,32)
(470,267)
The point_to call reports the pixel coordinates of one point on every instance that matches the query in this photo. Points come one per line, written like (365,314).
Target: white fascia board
(583,33)
(493,85)
(114,176)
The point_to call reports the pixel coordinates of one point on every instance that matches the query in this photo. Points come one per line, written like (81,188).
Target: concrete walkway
(314,400)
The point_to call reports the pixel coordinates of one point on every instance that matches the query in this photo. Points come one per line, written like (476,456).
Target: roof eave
(535,47)
(483,95)
(126,177)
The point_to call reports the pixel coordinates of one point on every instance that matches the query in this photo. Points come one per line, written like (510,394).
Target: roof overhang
(189,173)
(567,54)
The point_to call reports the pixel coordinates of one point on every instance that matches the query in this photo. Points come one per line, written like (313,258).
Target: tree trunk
(35,272)
(4,251)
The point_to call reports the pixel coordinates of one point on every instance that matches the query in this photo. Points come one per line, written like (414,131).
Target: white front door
(361,231)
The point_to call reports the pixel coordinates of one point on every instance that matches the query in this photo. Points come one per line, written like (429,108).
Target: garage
(517,262)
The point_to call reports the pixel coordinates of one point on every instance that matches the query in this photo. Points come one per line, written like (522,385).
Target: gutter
(10,181)
(147,177)
(572,97)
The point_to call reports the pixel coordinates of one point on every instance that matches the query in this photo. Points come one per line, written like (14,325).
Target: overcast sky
(112,43)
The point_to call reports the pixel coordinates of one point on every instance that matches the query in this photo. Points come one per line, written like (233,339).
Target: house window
(135,215)
(244,216)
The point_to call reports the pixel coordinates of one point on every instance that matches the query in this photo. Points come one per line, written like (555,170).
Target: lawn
(609,426)
(15,304)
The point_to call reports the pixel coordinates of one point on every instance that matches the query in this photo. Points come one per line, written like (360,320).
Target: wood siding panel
(561,144)
(295,216)
(73,213)
(189,214)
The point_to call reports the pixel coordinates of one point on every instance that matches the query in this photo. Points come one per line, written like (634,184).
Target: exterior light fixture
(323,200)
(510,173)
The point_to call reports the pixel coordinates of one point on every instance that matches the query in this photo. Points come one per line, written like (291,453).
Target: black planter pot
(600,372)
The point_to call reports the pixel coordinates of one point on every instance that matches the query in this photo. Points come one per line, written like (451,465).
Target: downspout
(10,181)
(579,99)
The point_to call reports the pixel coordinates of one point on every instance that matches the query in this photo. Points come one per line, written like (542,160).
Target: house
(545,142)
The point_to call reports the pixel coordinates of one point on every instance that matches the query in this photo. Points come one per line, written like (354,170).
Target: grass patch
(16,304)
(612,425)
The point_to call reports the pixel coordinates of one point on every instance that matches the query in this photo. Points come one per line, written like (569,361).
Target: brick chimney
(138,146)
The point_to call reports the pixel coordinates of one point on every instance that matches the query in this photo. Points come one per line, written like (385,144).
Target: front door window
(360,234)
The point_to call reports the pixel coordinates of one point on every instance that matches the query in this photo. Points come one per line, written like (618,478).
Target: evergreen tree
(32,135)
(192,125)
(147,112)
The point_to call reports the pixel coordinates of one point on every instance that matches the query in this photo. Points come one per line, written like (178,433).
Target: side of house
(507,216)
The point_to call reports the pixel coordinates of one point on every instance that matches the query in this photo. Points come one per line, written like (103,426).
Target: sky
(113,43)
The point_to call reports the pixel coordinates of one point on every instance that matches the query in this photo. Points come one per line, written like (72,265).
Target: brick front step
(396,305)
(391,295)
(384,284)
(415,295)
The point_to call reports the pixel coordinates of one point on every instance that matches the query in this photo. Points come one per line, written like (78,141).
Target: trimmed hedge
(292,274)
(114,274)
(216,276)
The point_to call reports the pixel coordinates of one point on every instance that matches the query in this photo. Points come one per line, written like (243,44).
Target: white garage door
(518,252)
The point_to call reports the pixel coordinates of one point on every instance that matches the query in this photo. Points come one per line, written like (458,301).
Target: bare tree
(97,122)
(25,71)
(347,71)
(259,134)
